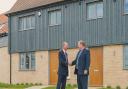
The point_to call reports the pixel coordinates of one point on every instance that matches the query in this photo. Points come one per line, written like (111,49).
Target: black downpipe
(10,68)
(9,42)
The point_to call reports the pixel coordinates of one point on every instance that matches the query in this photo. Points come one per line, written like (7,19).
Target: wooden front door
(96,68)
(53,67)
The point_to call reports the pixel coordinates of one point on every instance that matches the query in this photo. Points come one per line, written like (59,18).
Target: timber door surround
(53,67)
(96,68)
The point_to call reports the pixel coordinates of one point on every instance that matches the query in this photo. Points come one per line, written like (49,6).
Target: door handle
(96,70)
(54,70)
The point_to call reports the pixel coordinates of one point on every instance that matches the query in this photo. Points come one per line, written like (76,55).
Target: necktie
(78,55)
(66,56)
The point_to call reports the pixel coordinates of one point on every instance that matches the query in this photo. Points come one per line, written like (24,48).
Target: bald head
(65,45)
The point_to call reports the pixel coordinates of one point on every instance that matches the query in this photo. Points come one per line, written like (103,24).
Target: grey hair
(64,43)
(82,42)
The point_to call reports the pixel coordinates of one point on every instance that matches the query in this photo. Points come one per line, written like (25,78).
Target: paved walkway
(40,87)
(37,87)
(93,88)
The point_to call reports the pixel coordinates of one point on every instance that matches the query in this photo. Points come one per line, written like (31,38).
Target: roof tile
(3,24)
(28,4)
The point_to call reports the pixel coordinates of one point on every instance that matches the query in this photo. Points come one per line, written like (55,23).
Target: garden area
(14,86)
(75,87)
(69,86)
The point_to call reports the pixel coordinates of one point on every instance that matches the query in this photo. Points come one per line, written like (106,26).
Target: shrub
(118,87)
(40,84)
(17,84)
(22,84)
(26,84)
(109,87)
(127,87)
(36,83)
(31,84)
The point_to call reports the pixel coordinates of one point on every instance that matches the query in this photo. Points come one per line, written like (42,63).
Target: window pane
(91,11)
(22,61)
(52,18)
(27,22)
(100,10)
(125,57)
(33,21)
(58,17)
(55,17)
(27,61)
(33,60)
(126,5)
(20,24)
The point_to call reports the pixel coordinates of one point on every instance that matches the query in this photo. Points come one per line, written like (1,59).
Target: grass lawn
(8,86)
(73,87)
(12,88)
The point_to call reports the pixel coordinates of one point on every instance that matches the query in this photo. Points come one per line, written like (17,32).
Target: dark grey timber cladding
(111,29)
(4,42)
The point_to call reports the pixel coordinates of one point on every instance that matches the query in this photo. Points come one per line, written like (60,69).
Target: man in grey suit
(82,64)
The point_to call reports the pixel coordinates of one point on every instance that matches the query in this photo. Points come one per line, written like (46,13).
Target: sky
(6,5)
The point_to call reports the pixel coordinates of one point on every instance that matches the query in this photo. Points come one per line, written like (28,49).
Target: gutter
(42,7)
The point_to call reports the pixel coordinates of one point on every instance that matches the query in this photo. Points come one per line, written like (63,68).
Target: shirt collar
(64,51)
(82,49)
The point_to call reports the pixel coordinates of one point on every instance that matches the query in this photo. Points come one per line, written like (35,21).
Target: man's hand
(70,63)
(85,72)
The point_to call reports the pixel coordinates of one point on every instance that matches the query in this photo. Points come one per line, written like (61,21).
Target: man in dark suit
(63,67)
(82,63)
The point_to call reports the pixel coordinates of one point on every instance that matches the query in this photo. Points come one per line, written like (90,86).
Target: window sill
(125,13)
(125,68)
(27,70)
(54,25)
(94,18)
(26,29)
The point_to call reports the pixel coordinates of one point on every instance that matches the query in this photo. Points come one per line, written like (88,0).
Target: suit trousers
(82,81)
(61,84)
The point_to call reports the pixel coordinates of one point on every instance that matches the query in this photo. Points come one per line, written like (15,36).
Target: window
(95,10)
(126,6)
(27,61)
(54,17)
(125,57)
(27,22)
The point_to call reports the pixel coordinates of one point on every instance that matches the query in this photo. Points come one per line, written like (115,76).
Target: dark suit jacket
(83,62)
(63,64)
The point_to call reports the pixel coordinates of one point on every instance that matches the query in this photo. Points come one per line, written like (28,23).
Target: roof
(3,19)
(3,24)
(21,5)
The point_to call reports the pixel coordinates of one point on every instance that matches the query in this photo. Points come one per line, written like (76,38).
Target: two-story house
(38,28)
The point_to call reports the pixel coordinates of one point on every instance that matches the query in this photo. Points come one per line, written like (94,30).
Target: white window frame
(95,4)
(23,61)
(125,11)
(125,57)
(26,21)
(56,18)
